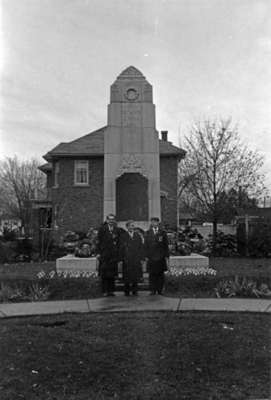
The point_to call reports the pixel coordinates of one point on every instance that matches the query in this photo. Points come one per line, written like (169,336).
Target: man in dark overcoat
(157,255)
(108,249)
(132,255)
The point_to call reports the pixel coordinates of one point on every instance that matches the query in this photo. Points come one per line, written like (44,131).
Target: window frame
(76,166)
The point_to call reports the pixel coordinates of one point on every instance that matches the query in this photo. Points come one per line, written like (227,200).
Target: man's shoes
(135,294)
(160,293)
(110,294)
(126,294)
(152,293)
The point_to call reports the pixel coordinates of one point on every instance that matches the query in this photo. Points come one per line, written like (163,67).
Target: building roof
(92,144)
(46,167)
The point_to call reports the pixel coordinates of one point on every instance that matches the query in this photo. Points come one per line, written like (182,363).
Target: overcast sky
(204,58)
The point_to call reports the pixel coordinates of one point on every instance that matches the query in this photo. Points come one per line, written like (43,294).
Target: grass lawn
(26,270)
(135,356)
(251,267)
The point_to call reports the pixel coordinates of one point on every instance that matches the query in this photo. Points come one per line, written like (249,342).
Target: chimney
(164,135)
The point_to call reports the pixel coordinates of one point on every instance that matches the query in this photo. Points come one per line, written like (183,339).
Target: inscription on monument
(131,114)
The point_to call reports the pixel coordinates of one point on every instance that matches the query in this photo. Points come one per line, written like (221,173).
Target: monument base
(194,260)
(71,264)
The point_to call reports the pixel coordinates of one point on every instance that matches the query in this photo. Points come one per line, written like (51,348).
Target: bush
(259,244)
(10,292)
(242,287)
(8,252)
(38,292)
(186,241)
(22,290)
(8,234)
(226,245)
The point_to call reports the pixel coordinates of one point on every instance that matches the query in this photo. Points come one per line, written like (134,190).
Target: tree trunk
(214,236)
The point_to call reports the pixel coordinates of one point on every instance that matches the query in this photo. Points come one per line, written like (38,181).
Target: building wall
(78,208)
(49,179)
(168,185)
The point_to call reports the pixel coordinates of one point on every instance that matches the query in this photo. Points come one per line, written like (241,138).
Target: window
(81,172)
(56,179)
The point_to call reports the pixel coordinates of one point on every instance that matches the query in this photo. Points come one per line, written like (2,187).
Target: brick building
(123,168)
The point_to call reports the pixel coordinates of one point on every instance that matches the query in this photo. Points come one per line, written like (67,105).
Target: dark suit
(132,253)
(156,250)
(108,247)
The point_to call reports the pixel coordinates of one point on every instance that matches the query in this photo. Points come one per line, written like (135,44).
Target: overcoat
(108,246)
(132,253)
(156,250)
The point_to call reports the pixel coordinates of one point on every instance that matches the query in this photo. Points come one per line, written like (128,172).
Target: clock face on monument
(131,94)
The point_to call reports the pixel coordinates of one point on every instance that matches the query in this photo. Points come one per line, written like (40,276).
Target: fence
(206,230)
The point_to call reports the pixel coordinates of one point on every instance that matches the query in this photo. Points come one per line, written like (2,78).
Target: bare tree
(217,162)
(20,182)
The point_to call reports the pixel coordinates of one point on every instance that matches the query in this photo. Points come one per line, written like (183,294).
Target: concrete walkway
(143,302)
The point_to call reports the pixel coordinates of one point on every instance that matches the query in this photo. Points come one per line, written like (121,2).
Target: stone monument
(131,151)
(131,164)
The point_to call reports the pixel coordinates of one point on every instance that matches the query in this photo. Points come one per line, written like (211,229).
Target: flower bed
(186,282)
(204,282)
(191,282)
(51,286)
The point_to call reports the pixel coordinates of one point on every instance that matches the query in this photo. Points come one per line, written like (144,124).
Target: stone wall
(78,207)
(168,187)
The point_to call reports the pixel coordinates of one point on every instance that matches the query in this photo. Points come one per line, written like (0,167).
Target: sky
(204,58)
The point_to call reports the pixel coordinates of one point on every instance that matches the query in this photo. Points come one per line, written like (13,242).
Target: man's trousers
(156,282)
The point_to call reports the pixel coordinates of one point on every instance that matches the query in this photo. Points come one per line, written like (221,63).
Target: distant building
(122,168)
(257,214)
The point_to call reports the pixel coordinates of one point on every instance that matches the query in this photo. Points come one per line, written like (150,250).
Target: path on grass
(142,303)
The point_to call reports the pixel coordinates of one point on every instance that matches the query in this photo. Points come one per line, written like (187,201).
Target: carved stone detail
(131,164)
(130,73)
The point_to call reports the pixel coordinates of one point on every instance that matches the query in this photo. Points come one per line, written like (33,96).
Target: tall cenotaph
(131,151)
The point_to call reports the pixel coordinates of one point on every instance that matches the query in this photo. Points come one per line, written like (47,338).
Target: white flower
(188,271)
(52,274)
(41,274)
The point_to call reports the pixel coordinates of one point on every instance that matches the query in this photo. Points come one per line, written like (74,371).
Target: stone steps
(142,285)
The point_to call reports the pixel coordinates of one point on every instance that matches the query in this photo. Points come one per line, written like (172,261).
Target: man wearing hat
(108,248)
(132,252)
(157,255)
